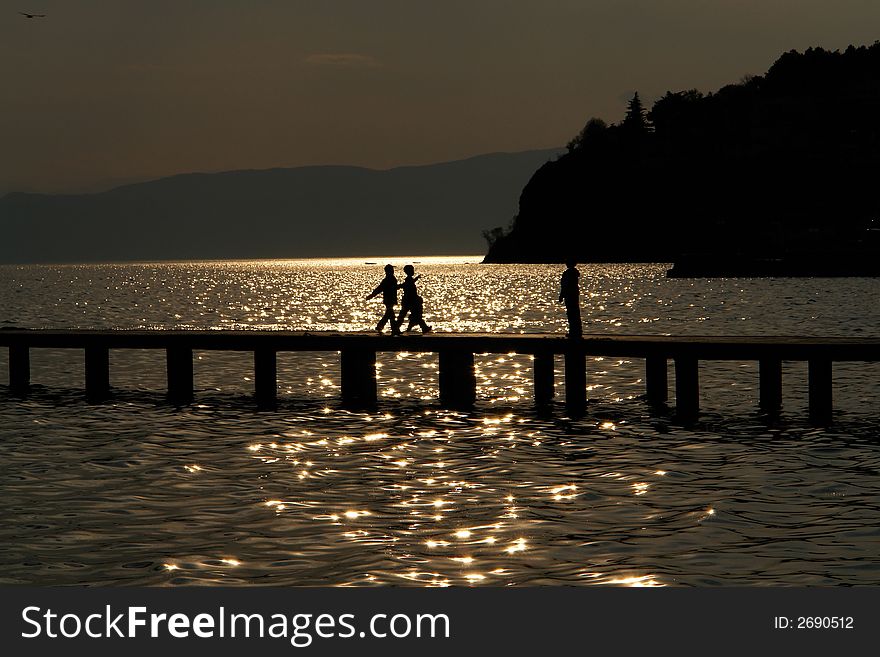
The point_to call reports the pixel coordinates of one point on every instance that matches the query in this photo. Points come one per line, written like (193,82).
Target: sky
(103,92)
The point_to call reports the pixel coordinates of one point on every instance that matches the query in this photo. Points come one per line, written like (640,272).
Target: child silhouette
(388,288)
(412,303)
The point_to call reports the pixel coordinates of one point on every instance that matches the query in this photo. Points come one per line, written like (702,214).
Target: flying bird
(32,15)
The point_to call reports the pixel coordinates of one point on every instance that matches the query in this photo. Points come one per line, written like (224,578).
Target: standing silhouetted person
(388,288)
(412,303)
(568,292)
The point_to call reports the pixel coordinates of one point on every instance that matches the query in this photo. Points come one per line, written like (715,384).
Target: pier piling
(457,379)
(770,384)
(687,386)
(97,364)
(820,381)
(180,374)
(19,369)
(265,377)
(656,384)
(543,374)
(575,382)
(358,370)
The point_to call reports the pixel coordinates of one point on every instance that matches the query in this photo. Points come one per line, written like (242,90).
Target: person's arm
(374,292)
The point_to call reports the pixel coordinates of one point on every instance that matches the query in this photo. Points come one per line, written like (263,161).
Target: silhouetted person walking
(568,292)
(388,289)
(412,303)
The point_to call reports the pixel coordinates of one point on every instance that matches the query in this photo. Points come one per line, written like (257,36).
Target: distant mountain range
(276,213)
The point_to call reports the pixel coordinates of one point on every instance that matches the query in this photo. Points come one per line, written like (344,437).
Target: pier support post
(458,380)
(358,369)
(575,382)
(180,374)
(770,379)
(19,369)
(97,362)
(687,387)
(265,377)
(656,384)
(820,391)
(543,373)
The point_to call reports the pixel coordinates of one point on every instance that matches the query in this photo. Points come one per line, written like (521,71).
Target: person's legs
(387,317)
(416,317)
(573,312)
(404,309)
(395,327)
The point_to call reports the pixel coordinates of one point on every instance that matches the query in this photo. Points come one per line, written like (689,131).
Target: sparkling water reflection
(138,492)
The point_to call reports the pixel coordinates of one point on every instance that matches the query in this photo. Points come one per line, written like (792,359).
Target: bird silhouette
(32,15)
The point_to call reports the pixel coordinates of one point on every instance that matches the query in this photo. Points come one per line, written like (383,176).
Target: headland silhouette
(775,174)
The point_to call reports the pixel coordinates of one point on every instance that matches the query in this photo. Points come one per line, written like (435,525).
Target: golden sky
(107,91)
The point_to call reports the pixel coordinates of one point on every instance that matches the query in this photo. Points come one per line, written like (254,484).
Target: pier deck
(456,352)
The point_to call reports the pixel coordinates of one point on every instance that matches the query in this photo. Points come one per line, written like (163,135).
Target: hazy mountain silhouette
(778,168)
(284,213)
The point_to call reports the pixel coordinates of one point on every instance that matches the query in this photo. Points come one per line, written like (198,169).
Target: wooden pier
(457,380)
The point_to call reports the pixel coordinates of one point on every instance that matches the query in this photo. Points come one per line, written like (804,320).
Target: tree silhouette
(493,235)
(636,120)
(592,132)
(780,165)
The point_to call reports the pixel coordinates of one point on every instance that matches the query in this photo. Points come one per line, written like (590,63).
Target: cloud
(346,60)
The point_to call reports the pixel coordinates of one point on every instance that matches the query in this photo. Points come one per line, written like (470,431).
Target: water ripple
(137,492)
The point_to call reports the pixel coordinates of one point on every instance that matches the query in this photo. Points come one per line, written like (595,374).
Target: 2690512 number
(825,622)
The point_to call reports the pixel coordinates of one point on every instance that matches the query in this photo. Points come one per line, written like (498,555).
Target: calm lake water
(136,491)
